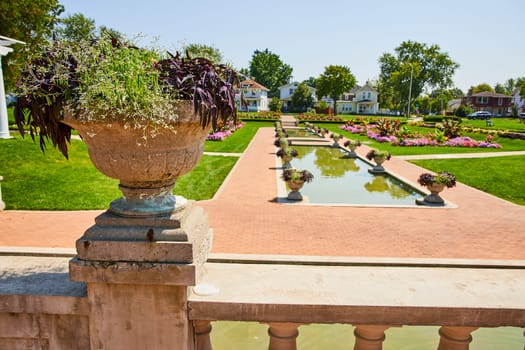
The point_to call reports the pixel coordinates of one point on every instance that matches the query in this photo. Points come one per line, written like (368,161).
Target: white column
(4,125)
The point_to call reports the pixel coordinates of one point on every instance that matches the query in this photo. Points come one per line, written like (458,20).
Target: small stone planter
(433,199)
(295,186)
(378,168)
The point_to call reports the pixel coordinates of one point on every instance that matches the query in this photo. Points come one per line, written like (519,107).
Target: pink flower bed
(221,135)
(462,141)
(353,129)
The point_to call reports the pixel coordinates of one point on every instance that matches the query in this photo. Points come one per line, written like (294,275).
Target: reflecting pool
(346,181)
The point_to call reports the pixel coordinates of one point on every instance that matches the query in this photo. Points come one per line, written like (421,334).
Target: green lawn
(500,176)
(238,141)
(37,181)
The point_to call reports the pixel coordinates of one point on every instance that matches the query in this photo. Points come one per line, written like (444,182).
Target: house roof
(489,94)
(253,84)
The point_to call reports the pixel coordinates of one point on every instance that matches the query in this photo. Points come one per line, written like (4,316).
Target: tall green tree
(270,71)
(311,81)
(76,27)
(206,51)
(426,65)
(480,88)
(302,98)
(334,81)
(31,21)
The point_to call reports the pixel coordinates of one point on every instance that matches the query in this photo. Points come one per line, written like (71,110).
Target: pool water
(228,335)
(345,181)
(299,133)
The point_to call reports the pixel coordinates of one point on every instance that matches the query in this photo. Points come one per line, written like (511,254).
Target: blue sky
(484,37)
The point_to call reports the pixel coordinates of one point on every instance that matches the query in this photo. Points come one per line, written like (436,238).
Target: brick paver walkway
(246,219)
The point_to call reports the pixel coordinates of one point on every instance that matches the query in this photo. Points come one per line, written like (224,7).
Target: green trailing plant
(443,178)
(297,175)
(376,153)
(355,143)
(287,151)
(110,81)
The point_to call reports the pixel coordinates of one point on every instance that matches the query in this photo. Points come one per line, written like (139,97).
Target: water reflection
(330,166)
(340,180)
(381,183)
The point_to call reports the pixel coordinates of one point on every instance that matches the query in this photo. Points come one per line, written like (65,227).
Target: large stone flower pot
(148,223)
(146,166)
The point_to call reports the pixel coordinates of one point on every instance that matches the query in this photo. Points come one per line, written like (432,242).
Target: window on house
(482,100)
(291,92)
(369,95)
(500,101)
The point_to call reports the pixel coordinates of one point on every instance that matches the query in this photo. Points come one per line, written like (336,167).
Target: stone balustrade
(40,308)
(371,297)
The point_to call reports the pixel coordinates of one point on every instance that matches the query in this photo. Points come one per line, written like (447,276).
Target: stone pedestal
(137,272)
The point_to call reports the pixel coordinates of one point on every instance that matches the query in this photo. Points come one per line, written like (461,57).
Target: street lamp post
(410,89)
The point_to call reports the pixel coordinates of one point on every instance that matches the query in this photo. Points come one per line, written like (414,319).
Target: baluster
(369,337)
(202,334)
(283,335)
(455,338)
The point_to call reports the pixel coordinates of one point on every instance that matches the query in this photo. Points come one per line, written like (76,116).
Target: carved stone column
(138,271)
(369,337)
(455,338)
(283,335)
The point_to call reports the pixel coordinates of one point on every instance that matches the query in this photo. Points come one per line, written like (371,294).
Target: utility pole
(410,89)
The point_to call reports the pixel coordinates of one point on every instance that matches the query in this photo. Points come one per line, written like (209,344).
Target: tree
(31,21)
(76,27)
(480,88)
(268,70)
(311,81)
(426,65)
(275,104)
(302,98)
(334,81)
(206,51)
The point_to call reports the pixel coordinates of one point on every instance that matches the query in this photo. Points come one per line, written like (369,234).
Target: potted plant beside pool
(351,145)
(143,115)
(336,137)
(435,184)
(287,154)
(295,180)
(379,157)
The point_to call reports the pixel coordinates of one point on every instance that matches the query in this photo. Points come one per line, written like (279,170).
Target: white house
(518,100)
(255,95)
(359,100)
(286,92)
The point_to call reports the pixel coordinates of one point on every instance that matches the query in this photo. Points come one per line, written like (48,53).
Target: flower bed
(461,141)
(354,129)
(225,132)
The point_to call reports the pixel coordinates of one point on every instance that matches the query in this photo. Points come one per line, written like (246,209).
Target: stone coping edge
(298,259)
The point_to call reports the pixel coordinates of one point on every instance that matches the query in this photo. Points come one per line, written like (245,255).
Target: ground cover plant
(36,181)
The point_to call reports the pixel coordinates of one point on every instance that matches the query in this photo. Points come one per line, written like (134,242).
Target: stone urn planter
(351,146)
(435,185)
(287,154)
(379,157)
(295,180)
(147,170)
(295,186)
